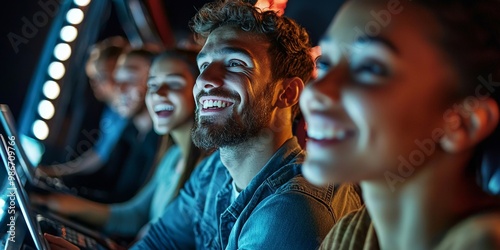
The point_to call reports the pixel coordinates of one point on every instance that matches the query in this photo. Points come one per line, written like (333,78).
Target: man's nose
(211,77)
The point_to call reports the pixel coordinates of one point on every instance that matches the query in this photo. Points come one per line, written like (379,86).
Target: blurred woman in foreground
(407,103)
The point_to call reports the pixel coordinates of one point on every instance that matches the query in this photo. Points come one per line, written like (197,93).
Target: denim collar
(282,166)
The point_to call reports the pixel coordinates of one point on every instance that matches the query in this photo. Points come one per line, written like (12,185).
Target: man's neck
(245,160)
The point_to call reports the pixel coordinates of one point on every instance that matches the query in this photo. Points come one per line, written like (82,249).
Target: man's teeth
(163,107)
(215,104)
(326,134)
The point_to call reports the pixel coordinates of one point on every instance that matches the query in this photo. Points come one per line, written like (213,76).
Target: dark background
(17,68)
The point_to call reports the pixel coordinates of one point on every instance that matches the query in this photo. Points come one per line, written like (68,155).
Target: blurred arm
(93,213)
(89,162)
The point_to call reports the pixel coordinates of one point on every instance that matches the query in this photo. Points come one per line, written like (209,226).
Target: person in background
(120,178)
(101,65)
(171,106)
(99,69)
(411,112)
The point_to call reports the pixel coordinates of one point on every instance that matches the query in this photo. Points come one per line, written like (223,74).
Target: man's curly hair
(290,45)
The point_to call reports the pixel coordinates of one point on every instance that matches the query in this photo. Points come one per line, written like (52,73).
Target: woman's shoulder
(353,231)
(481,231)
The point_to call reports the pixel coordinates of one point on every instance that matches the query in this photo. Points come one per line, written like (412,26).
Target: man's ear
(473,126)
(289,92)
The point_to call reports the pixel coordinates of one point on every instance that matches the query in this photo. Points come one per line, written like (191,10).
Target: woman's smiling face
(383,87)
(169,98)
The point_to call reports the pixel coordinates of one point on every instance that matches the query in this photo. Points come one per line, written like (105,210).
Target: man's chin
(202,138)
(210,120)
(213,136)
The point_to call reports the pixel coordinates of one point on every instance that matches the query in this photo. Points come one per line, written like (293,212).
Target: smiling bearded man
(250,193)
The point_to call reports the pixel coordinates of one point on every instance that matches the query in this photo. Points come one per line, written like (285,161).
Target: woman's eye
(322,66)
(370,72)
(372,68)
(203,66)
(152,86)
(235,63)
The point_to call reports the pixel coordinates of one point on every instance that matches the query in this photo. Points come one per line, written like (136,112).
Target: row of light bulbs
(56,69)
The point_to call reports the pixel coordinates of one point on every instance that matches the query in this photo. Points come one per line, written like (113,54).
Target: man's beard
(210,133)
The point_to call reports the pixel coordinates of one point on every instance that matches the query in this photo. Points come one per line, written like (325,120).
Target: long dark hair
(471,40)
(194,156)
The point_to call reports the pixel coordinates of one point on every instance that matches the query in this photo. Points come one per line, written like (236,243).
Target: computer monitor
(18,195)
(28,169)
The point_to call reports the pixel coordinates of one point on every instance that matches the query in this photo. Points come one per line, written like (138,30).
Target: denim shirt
(279,209)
